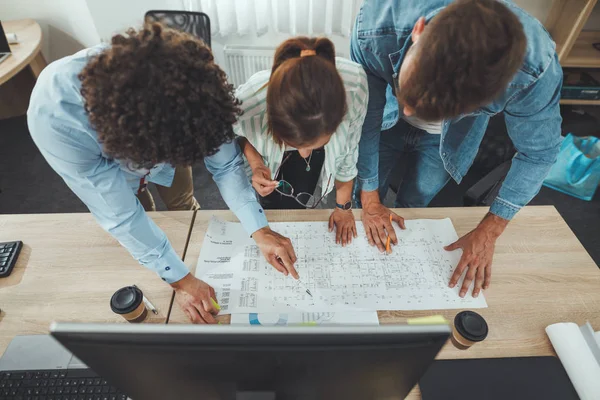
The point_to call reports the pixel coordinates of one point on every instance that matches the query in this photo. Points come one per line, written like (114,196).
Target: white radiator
(244,61)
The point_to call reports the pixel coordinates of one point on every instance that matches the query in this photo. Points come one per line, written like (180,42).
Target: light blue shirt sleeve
(101,185)
(228,171)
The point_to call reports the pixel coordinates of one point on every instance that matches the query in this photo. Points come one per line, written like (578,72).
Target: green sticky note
(432,320)
(310,323)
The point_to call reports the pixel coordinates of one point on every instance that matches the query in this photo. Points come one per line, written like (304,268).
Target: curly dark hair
(156,95)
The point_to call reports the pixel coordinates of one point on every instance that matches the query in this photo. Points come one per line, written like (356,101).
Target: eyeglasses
(305,199)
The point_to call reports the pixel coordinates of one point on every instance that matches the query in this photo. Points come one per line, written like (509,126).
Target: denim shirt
(60,128)
(380,40)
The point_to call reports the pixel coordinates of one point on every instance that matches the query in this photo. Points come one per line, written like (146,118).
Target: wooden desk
(69,268)
(541,275)
(24,65)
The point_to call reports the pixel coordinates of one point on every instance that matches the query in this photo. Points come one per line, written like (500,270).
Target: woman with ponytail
(300,129)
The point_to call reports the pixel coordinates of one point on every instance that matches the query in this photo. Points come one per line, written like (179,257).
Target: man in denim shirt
(437,71)
(110,119)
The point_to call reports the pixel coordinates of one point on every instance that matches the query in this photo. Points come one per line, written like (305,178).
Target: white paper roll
(577,359)
(12,38)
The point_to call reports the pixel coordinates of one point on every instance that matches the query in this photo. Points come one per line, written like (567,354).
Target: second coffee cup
(128,302)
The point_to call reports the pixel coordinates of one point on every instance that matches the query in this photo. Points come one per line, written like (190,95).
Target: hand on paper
(261,180)
(194,297)
(345,226)
(478,251)
(376,219)
(277,249)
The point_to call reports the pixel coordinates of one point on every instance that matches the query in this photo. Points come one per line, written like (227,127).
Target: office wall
(130,13)
(67,25)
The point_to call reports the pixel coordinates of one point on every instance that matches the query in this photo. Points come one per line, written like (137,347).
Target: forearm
(343,191)
(228,173)
(493,225)
(126,221)
(252,155)
(369,197)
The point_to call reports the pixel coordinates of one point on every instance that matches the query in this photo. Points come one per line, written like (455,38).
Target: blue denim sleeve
(101,185)
(227,169)
(533,122)
(368,148)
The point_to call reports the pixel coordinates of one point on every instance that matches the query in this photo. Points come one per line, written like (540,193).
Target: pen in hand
(388,248)
(299,282)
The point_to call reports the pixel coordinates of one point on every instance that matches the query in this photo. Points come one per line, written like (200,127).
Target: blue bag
(577,170)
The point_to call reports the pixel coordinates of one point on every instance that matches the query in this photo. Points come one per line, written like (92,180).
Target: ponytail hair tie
(308,52)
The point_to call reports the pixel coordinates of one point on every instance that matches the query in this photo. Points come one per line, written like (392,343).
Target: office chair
(194,23)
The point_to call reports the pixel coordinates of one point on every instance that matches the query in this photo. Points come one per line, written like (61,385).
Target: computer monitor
(163,362)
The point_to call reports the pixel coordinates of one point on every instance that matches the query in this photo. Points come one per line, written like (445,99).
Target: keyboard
(8,257)
(75,384)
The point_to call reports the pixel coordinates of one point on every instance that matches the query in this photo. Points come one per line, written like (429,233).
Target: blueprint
(353,278)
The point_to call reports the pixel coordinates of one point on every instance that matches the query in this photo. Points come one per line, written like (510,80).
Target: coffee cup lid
(126,299)
(471,326)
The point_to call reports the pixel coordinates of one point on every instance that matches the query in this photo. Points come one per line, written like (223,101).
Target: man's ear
(408,111)
(418,29)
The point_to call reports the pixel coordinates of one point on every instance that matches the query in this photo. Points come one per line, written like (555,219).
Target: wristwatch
(346,206)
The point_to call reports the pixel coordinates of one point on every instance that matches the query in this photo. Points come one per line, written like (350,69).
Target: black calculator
(9,252)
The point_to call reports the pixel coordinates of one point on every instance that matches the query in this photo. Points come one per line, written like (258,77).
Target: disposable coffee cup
(469,328)
(128,302)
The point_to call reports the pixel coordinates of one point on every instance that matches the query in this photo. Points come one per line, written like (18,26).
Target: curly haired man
(144,109)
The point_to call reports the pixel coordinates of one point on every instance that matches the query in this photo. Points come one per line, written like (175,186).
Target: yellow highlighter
(388,249)
(217,306)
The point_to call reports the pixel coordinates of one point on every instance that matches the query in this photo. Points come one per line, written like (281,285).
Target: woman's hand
(345,226)
(261,180)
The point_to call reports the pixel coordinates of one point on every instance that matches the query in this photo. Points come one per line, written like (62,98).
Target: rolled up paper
(12,38)
(577,358)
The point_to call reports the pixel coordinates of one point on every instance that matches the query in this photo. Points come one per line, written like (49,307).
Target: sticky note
(432,320)
(310,323)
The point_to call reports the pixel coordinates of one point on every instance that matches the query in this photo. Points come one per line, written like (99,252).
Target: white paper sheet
(353,278)
(316,318)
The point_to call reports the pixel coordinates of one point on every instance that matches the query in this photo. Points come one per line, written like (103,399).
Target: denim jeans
(425,174)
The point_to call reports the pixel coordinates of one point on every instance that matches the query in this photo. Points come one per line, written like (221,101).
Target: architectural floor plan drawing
(353,278)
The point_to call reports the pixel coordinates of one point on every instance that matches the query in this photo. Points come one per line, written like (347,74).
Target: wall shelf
(583,54)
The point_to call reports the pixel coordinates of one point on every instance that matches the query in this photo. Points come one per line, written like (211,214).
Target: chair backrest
(195,23)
